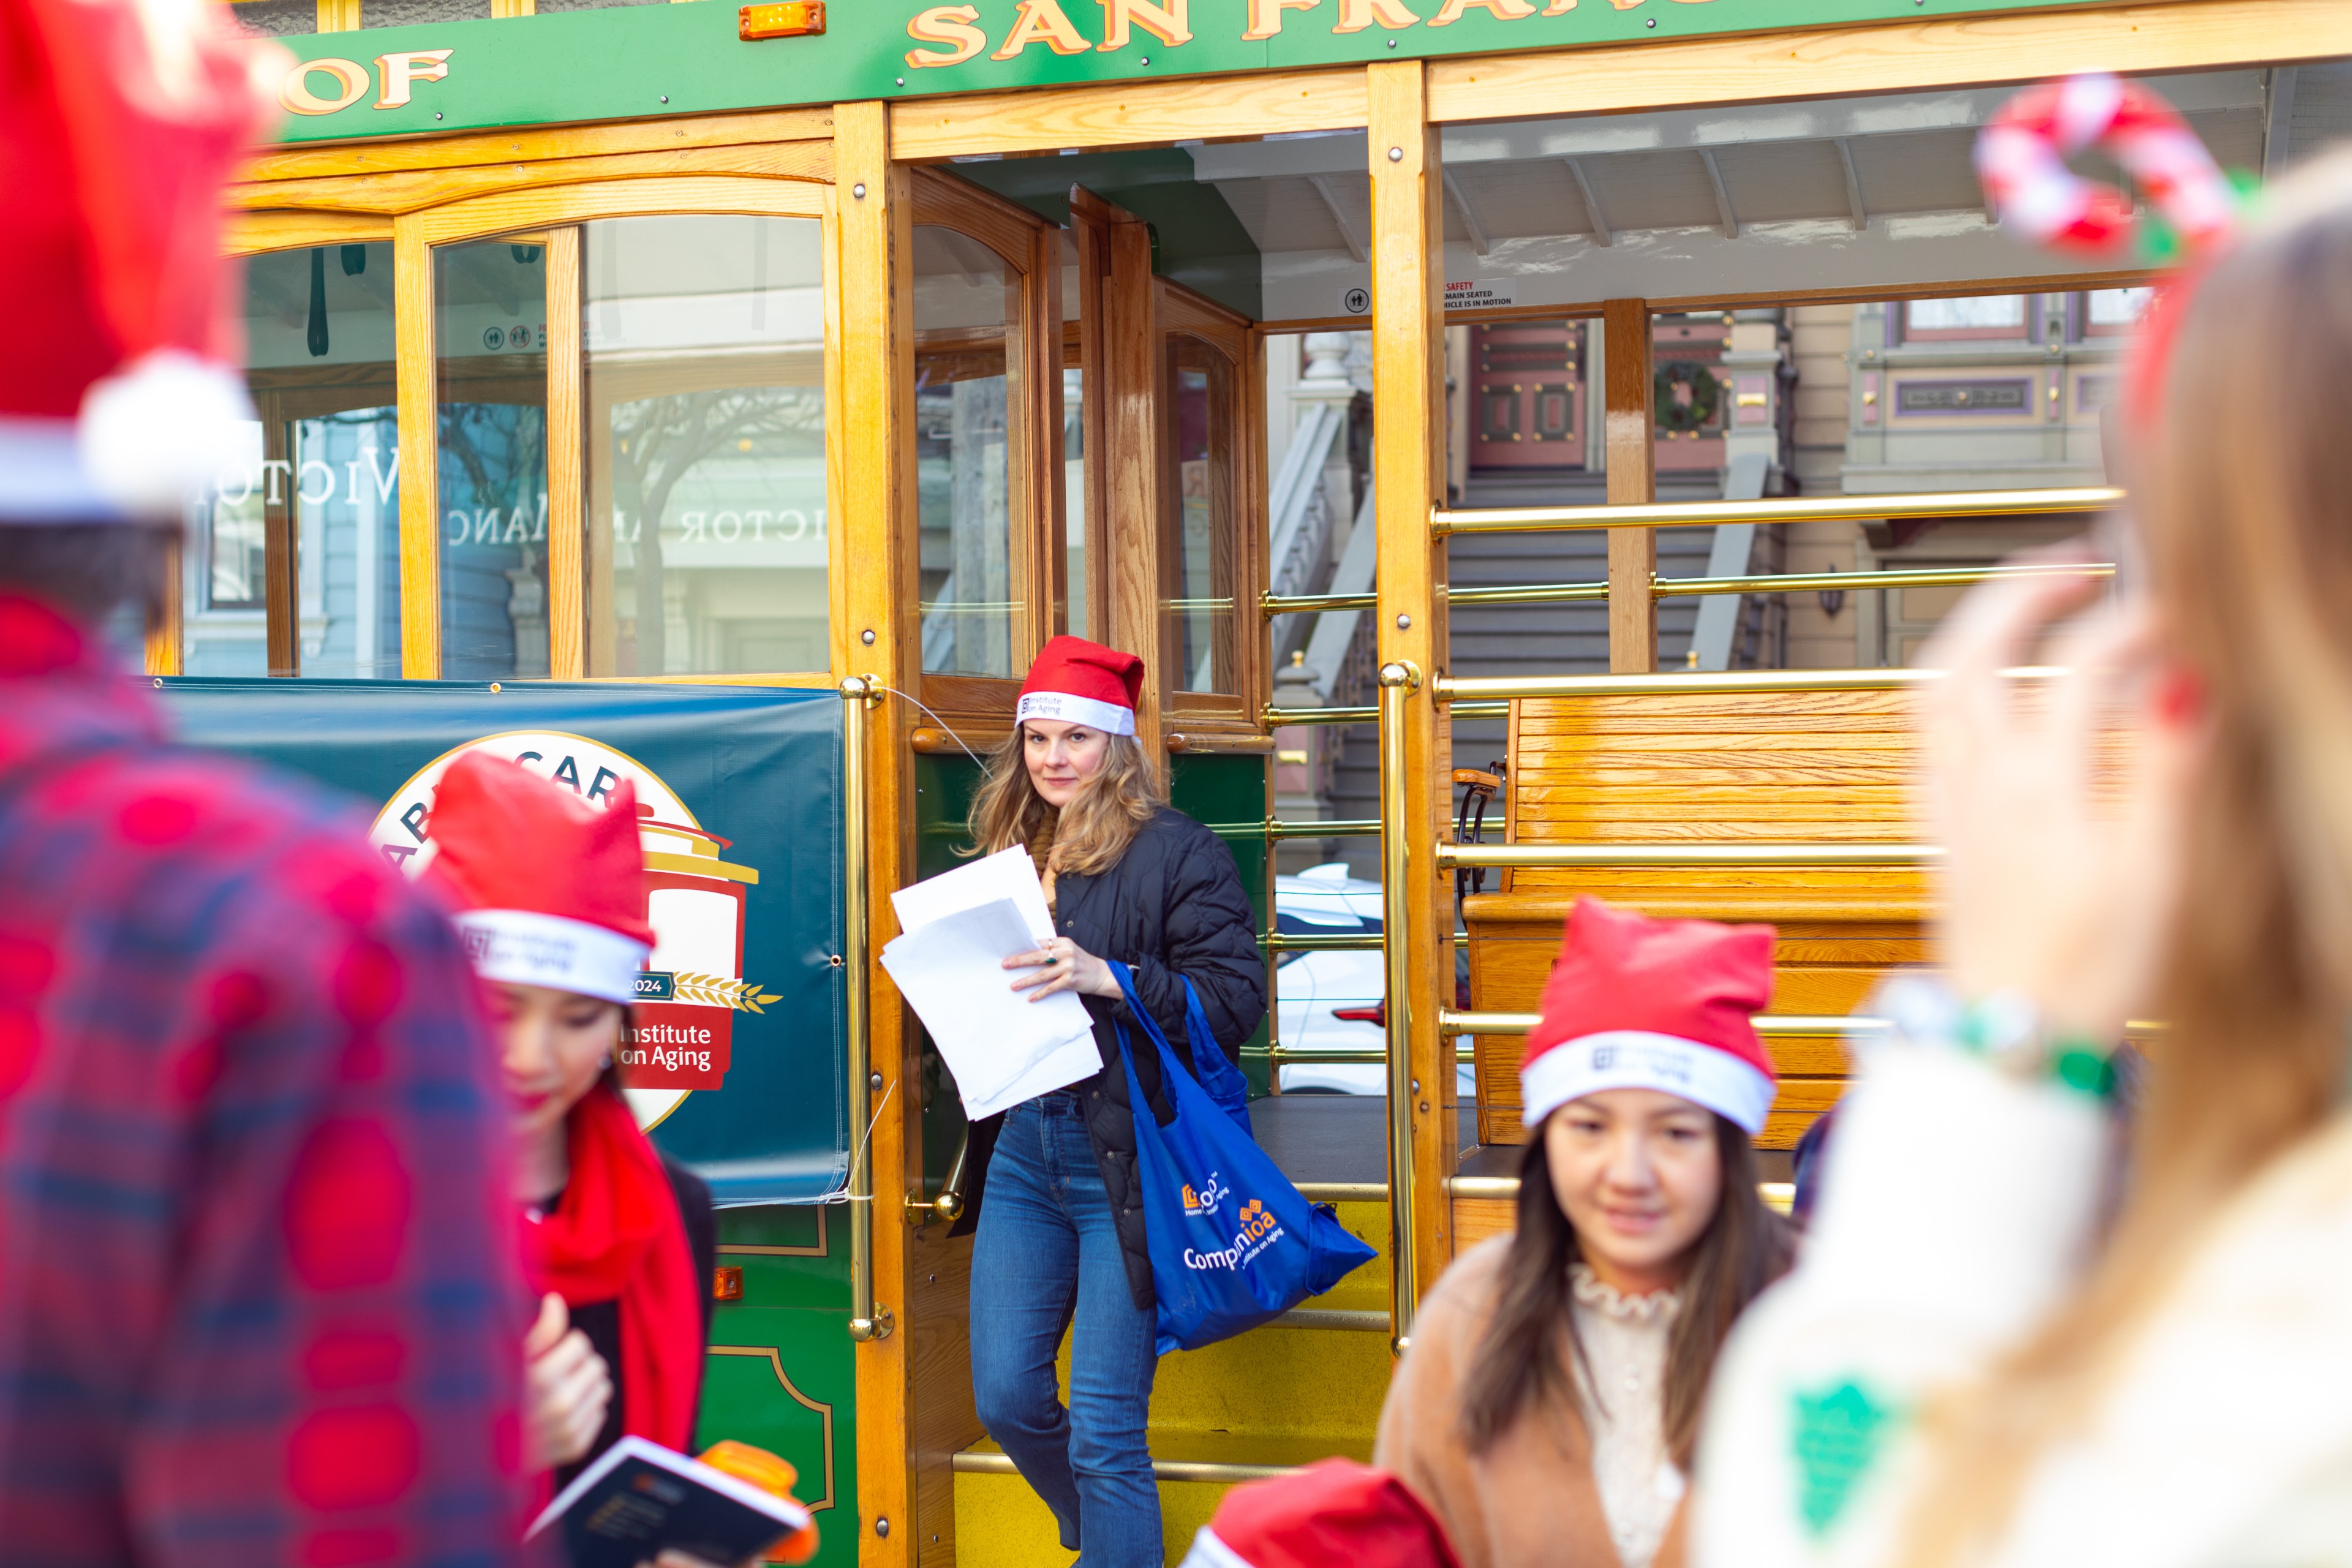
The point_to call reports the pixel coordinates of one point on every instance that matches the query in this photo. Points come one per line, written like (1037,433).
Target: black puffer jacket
(1171,909)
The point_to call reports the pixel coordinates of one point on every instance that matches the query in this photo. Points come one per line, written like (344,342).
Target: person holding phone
(2002,1345)
(1053,1190)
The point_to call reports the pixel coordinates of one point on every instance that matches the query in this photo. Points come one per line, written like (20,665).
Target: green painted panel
(943,791)
(782,1372)
(632,61)
(1228,792)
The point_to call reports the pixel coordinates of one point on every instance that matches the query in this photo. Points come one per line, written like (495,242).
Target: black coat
(1171,909)
(600,1321)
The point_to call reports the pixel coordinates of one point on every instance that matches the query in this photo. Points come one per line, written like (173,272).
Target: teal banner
(737,1053)
(628,61)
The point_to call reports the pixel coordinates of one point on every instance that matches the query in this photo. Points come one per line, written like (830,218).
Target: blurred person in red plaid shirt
(259,1294)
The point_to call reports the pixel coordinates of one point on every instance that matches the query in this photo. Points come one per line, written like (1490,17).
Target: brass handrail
(1444,521)
(1282,1056)
(1783,1026)
(1276,718)
(1681,587)
(866,1322)
(1556,857)
(1339,827)
(1816,582)
(1273,605)
(1777,1194)
(949,1205)
(1459,688)
(1398,680)
(1353,941)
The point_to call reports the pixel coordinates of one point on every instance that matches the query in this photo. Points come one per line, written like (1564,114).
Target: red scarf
(618,1236)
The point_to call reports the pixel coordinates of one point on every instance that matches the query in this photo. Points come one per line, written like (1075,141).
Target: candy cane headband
(2021,158)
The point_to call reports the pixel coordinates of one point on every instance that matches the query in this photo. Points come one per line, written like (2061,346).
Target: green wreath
(1674,417)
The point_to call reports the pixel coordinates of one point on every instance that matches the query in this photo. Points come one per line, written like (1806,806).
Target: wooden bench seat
(1753,768)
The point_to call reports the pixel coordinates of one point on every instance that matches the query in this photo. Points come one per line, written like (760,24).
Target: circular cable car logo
(681,1030)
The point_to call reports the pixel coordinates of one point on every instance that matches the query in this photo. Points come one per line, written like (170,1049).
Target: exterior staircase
(1523,639)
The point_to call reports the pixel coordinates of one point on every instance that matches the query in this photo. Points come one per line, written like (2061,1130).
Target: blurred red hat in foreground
(1333,1514)
(119,122)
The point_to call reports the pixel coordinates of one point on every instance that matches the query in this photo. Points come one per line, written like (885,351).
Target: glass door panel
(967,332)
(707,500)
(490,341)
(1200,537)
(311,502)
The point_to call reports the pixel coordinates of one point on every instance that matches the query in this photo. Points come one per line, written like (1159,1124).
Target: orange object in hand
(770,1474)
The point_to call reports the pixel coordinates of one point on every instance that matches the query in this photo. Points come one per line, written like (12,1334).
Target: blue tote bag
(1232,1243)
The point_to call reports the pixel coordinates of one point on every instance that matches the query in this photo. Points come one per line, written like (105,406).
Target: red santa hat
(1082,682)
(551,889)
(1636,1003)
(119,123)
(1332,1514)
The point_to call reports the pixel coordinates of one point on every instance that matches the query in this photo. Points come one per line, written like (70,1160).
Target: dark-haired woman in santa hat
(1061,1239)
(1549,1403)
(620,1240)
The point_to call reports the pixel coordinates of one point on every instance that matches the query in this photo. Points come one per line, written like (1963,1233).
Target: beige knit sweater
(1534,1498)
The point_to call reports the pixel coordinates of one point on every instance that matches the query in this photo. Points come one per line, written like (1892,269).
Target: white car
(1333,1001)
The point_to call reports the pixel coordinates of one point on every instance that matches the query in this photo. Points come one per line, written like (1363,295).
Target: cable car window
(489,300)
(707,500)
(1202,542)
(318,473)
(967,330)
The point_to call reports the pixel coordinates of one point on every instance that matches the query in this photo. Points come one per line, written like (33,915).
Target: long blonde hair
(2243,494)
(1090,833)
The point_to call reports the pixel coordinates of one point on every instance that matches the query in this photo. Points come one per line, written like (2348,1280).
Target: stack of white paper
(955,932)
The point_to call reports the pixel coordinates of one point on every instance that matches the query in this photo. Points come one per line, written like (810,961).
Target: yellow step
(1284,1395)
(1000,1523)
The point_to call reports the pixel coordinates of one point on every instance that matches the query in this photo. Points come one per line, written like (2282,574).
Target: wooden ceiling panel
(1652,190)
(1783,180)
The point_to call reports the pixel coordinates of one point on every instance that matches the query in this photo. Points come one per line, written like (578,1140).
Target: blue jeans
(1046,1245)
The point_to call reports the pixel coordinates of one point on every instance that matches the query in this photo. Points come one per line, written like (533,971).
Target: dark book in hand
(640,1499)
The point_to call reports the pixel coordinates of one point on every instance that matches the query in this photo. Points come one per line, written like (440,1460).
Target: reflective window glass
(322,464)
(1199,505)
(707,495)
(491,338)
(967,330)
(1074,494)
(1973,316)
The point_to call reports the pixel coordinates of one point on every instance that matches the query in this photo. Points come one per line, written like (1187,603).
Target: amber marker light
(790,19)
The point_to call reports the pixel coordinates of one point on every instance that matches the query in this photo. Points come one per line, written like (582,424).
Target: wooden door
(1528,395)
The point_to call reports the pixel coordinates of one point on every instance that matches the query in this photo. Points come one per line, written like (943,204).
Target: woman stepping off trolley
(1061,1238)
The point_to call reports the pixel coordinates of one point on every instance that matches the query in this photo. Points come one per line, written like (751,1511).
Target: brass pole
(1864,581)
(858,693)
(1398,682)
(1554,856)
(1785,1025)
(1443,520)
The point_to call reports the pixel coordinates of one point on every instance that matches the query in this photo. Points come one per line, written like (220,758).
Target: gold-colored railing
(1445,521)
(1556,856)
(1487,698)
(1686,587)
(1398,682)
(859,692)
(1276,718)
(1781,1026)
